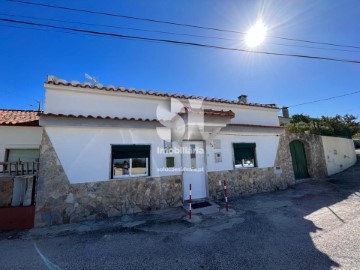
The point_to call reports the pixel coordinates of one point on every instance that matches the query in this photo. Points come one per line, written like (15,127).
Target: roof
(99,117)
(19,118)
(52,80)
(205,112)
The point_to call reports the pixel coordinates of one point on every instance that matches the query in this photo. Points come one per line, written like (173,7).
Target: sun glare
(256,34)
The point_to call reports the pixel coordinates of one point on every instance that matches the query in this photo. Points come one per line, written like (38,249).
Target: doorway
(299,161)
(193,157)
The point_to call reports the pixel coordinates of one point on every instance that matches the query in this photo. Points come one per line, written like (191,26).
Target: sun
(256,34)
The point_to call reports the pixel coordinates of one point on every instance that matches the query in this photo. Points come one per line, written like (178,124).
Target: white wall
(339,154)
(71,100)
(85,153)
(266,150)
(12,137)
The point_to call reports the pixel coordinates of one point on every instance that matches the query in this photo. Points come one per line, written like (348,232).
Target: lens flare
(256,34)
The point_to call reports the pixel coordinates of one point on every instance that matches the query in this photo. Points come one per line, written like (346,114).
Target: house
(20,139)
(107,151)
(20,135)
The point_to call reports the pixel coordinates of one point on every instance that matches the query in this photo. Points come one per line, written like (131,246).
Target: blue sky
(27,56)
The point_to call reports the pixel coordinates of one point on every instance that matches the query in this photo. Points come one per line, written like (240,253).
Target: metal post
(190,202)
(226,198)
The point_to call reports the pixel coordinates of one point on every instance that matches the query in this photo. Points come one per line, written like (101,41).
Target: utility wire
(59,31)
(171,33)
(120,27)
(173,23)
(324,99)
(168,41)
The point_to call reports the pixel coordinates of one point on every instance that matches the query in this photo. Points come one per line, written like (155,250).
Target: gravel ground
(312,225)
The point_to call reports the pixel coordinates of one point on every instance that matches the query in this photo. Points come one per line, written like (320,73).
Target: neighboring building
(20,135)
(20,139)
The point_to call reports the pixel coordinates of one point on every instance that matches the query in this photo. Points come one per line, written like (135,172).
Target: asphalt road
(313,225)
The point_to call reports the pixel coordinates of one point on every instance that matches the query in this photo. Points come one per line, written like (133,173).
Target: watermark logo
(182,169)
(180,150)
(180,120)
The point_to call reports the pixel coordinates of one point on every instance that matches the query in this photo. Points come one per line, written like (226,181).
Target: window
(170,162)
(244,155)
(24,155)
(130,160)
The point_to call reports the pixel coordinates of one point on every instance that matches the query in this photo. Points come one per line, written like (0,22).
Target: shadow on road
(280,227)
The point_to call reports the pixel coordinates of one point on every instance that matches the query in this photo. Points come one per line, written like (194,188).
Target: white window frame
(130,170)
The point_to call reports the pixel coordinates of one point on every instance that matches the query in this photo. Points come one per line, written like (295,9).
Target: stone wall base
(245,182)
(59,202)
(111,198)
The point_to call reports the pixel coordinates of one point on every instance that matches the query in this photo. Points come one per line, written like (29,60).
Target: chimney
(285,112)
(242,98)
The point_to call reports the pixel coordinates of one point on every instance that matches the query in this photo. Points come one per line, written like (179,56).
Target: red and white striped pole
(190,203)
(226,198)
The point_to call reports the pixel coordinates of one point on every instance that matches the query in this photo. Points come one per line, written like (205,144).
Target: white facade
(77,101)
(19,137)
(339,154)
(84,144)
(266,149)
(85,153)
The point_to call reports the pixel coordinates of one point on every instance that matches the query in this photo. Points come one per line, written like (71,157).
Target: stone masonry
(256,180)
(245,182)
(59,202)
(314,152)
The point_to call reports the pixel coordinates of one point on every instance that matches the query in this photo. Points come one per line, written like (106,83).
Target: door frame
(205,170)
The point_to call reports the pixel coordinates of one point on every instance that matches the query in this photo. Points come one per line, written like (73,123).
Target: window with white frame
(244,155)
(130,160)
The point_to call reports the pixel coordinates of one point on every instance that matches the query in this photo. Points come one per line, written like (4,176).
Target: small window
(244,155)
(170,162)
(130,161)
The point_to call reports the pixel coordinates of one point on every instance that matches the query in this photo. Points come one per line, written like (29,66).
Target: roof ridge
(57,81)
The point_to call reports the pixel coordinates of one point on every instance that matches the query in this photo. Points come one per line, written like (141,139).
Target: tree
(338,126)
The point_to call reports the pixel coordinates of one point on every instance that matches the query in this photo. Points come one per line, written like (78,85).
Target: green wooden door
(299,160)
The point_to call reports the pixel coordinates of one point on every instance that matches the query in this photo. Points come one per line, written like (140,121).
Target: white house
(20,135)
(107,151)
(20,139)
(142,149)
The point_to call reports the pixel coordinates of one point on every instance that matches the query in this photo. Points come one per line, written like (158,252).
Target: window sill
(130,177)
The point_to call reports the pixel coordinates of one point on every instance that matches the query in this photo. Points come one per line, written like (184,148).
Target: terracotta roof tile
(56,81)
(19,118)
(99,117)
